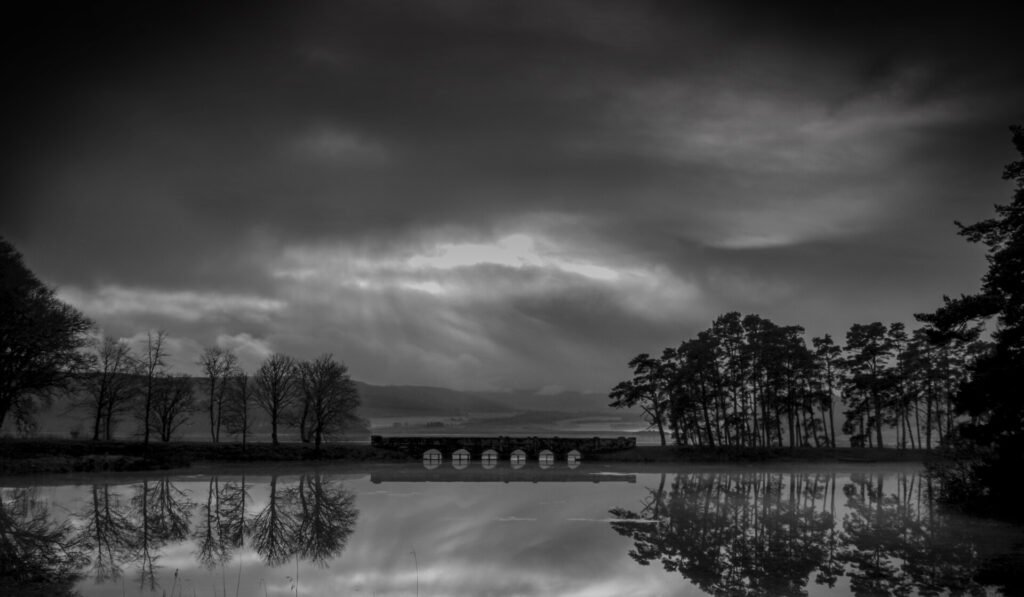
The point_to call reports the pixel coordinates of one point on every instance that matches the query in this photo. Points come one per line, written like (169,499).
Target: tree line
(747,381)
(48,349)
(316,397)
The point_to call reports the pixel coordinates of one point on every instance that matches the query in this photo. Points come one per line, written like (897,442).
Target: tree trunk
(213,408)
(878,419)
(145,418)
(96,424)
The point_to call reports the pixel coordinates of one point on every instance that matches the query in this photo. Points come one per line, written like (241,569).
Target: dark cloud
(801,162)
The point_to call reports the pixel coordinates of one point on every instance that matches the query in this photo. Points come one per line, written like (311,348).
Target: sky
(500,195)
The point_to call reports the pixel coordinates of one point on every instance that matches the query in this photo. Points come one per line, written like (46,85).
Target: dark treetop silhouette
(989,447)
(41,339)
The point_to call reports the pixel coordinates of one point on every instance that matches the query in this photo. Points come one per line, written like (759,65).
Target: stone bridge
(504,446)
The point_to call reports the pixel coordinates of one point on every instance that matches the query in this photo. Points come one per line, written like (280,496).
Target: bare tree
(237,408)
(174,401)
(153,365)
(218,365)
(329,396)
(109,384)
(275,385)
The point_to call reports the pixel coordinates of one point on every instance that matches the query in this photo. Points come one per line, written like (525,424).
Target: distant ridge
(378,401)
(396,401)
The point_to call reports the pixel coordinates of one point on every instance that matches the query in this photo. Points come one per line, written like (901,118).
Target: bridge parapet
(504,446)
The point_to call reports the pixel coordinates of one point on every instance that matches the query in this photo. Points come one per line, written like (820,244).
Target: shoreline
(55,456)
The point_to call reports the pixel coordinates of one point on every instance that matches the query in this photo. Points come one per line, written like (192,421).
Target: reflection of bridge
(532,447)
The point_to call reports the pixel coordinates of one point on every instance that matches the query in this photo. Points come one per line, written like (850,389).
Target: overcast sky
(494,195)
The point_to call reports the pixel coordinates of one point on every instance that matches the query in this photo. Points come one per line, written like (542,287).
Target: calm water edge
(590,530)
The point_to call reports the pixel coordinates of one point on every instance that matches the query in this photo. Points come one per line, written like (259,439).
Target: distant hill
(377,402)
(397,401)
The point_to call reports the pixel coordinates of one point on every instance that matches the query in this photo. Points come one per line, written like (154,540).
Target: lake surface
(291,529)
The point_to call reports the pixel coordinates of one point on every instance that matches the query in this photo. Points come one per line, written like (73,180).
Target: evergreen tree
(991,443)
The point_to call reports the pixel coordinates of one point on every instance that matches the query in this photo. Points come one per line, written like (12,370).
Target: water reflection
(432,458)
(773,534)
(460,459)
(502,531)
(35,549)
(312,521)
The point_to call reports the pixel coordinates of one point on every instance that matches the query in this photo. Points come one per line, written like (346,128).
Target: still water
(588,530)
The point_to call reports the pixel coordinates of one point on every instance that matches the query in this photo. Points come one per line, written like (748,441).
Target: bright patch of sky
(180,305)
(515,250)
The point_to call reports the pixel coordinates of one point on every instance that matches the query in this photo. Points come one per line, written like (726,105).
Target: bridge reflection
(496,474)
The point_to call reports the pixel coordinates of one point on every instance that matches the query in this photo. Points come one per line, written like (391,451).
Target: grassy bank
(773,454)
(26,456)
(22,456)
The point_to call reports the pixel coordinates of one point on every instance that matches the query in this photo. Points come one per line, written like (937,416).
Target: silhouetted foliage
(109,384)
(237,414)
(219,365)
(276,388)
(749,382)
(989,447)
(173,404)
(649,389)
(41,340)
(152,364)
(329,398)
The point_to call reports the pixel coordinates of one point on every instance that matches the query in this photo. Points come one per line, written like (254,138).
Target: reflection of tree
(210,536)
(873,535)
(898,543)
(273,529)
(328,516)
(108,533)
(162,516)
(312,520)
(231,504)
(35,550)
(221,526)
(751,534)
(769,534)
